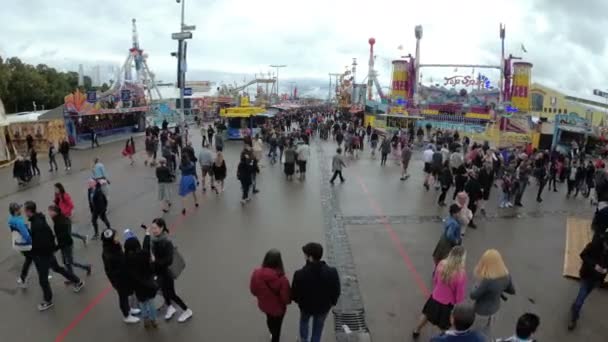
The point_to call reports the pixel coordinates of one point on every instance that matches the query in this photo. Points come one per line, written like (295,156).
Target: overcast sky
(566,39)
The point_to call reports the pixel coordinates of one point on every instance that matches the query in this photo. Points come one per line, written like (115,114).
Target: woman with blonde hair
(449,287)
(494,279)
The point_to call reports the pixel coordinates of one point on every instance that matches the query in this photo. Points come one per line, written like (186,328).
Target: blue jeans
(586,286)
(148,310)
(318,321)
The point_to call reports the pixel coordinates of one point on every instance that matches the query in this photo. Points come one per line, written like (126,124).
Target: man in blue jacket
(22,240)
(462,319)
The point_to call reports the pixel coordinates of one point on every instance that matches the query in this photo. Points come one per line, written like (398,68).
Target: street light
(278,67)
(184,33)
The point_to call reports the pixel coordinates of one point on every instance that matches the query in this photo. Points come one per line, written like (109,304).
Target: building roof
(24,117)
(55,113)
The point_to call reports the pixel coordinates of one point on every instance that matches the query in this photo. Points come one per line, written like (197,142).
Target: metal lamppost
(278,67)
(418,34)
(181,37)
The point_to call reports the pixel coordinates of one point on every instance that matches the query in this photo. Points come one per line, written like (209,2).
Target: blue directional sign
(187,91)
(91,96)
(125,95)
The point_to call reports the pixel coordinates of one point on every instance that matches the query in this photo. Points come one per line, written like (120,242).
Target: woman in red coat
(66,206)
(129,150)
(271,287)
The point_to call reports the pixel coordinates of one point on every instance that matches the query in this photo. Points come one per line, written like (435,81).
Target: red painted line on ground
(395,239)
(104,293)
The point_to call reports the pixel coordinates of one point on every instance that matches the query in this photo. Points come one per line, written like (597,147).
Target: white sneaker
(131,319)
(21,284)
(135,311)
(184,316)
(170,312)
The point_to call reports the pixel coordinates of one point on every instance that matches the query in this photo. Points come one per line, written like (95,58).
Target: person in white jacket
(303,153)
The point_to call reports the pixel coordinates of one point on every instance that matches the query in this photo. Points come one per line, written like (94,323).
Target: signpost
(187,91)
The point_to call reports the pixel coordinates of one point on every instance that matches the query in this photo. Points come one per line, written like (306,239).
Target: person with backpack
(271,288)
(114,265)
(316,289)
(43,255)
(157,243)
(21,240)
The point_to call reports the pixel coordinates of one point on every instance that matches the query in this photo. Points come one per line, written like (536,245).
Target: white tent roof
(24,117)
(3,120)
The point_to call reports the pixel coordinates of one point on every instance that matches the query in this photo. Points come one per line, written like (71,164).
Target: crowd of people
(138,271)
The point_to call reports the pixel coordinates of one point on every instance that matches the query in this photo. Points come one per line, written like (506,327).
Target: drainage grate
(354,320)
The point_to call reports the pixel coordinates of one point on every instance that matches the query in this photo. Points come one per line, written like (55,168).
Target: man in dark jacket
(473,189)
(592,273)
(43,254)
(98,203)
(64,149)
(63,232)
(316,288)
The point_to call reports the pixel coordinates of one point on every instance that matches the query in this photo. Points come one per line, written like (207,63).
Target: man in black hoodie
(316,288)
(43,254)
(63,232)
(593,273)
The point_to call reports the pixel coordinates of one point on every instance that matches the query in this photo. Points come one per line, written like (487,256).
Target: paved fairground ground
(378,231)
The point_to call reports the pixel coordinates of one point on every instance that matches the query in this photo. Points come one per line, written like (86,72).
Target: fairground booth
(114,113)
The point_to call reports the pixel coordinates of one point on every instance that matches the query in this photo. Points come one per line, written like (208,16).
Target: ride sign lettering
(466,81)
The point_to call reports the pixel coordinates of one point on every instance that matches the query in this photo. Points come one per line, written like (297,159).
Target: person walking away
(337,164)
(507,187)
(141,275)
(29,139)
(167,153)
(244,174)
(43,255)
(34,162)
(486,180)
(451,236)
(553,172)
(129,150)
(493,280)
(271,288)
(461,320)
(374,142)
(303,153)
(205,159)
(290,160)
(339,138)
(21,240)
(187,184)
(98,204)
(64,201)
(456,160)
(445,180)
(385,149)
(258,147)
(589,178)
(427,158)
(62,226)
(165,179)
(406,156)
(158,243)
(460,179)
(219,142)
(99,173)
(523,178)
(571,172)
(204,136)
(64,149)
(115,267)
(465,215)
(94,139)
(541,176)
(449,286)
(316,289)
(436,166)
(218,138)
(592,273)
(473,189)
(218,172)
(526,327)
(52,159)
